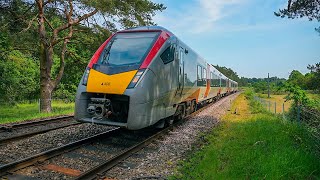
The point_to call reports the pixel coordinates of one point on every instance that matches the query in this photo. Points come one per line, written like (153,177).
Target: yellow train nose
(109,84)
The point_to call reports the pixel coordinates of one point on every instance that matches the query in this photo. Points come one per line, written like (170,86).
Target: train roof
(148,28)
(160,28)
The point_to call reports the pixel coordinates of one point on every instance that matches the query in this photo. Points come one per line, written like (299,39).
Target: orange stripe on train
(194,95)
(207,89)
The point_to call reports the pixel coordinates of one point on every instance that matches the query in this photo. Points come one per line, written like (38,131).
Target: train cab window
(168,55)
(127,49)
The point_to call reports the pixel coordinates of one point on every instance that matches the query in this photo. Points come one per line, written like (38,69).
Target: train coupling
(100,107)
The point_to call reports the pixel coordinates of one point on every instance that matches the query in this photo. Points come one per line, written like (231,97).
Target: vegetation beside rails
(253,143)
(26,111)
(279,100)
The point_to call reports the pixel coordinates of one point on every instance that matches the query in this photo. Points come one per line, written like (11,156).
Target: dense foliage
(228,72)
(259,84)
(309,81)
(65,38)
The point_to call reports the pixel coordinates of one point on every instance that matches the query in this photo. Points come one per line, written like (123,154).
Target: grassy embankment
(28,111)
(253,144)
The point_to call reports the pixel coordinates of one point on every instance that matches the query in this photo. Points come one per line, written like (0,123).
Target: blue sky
(244,35)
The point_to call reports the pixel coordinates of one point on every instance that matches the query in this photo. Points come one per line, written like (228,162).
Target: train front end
(108,92)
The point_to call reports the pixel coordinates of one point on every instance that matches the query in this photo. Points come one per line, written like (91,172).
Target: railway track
(100,153)
(8,127)
(18,131)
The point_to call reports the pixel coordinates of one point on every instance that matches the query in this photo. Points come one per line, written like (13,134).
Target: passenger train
(146,76)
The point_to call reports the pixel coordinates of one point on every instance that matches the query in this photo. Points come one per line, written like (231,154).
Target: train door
(181,72)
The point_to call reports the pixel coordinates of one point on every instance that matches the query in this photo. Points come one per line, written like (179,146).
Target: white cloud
(197,17)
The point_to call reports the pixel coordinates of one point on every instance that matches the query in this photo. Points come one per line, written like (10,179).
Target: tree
(228,72)
(296,78)
(18,77)
(314,76)
(314,68)
(58,20)
(301,8)
(19,70)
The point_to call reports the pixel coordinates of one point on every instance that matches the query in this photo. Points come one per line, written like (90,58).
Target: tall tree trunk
(45,96)
(46,57)
(46,88)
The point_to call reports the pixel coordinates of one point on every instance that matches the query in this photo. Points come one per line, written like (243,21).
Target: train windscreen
(127,49)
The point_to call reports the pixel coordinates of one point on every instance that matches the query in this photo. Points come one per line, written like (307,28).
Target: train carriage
(142,76)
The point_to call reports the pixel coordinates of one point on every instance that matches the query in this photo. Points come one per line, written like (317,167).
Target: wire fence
(306,116)
(311,118)
(273,106)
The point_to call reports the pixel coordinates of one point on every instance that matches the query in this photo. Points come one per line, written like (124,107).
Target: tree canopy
(300,9)
(228,72)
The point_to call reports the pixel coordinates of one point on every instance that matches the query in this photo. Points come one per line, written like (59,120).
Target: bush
(255,106)
(18,77)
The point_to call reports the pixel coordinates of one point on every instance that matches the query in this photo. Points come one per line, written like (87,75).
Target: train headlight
(85,76)
(136,78)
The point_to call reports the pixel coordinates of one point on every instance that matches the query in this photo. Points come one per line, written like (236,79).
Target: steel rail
(11,167)
(108,164)
(31,123)
(21,136)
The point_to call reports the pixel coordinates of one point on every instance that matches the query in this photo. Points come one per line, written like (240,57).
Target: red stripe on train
(154,50)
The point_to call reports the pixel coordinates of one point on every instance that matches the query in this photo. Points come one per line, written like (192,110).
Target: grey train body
(162,88)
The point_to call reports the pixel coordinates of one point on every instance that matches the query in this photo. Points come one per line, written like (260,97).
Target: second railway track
(22,130)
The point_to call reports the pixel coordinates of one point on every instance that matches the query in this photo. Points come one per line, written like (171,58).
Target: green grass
(253,146)
(279,100)
(26,111)
(316,98)
(313,96)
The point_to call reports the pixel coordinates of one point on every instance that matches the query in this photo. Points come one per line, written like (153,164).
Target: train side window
(211,79)
(168,55)
(215,81)
(199,76)
(204,77)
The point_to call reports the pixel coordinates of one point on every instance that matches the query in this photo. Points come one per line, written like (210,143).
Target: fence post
(282,108)
(275,107)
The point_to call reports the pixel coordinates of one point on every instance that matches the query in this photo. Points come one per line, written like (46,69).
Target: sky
(243,35)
